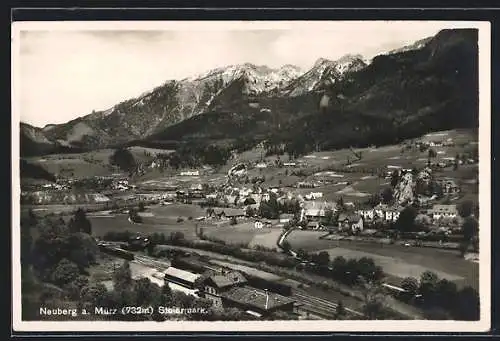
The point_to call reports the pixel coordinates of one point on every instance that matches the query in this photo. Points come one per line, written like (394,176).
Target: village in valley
(264,234)
(251,186)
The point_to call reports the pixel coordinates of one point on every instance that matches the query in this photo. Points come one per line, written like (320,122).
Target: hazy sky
(68,71)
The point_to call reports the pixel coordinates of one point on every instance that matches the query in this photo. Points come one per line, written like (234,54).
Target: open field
(103,225)
(94,163)
(394,257)
(267,240)
(162,181)
(158,214)
(244,233)
(61,209)
(88,164)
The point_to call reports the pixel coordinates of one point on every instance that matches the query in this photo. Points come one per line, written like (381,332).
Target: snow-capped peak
(259,78)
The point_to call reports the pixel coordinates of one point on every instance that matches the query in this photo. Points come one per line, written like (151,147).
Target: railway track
(159,265)
(321,306)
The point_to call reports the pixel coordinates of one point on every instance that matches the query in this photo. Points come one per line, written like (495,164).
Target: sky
(65,71)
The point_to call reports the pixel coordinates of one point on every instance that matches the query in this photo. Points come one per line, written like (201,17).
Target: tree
(124,159)
(269,209)
(467,307)
(166,298)
(176,236)
(373,200)
(467,208)
(410,284)
(302,254)
(340,310)
(286,246)
(340,202)
(75,287)
(147,293)
(373,300)
(249,212)
(446,292)
(151,248)
(432,153)
(93,294)
(141,207)
(395,178)
(80,223)
(339,265)
(233,221)
(65,272)
(387,195)
(122,277)
(470,228)
(428,286)
(134,216)
(322,259)
(406,220)
(328,216)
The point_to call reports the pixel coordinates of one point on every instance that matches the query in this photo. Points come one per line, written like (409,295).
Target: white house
(314,195)
(368,214)
(392,215)
(261,224)
(190,173)
(353,222)
(443,211)
(261,165)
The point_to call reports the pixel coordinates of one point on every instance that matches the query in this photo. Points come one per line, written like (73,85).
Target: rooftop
(445,208)
(227,279)
(352,218)
(182,274)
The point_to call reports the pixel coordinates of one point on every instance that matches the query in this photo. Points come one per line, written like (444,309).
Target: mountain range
(411,90)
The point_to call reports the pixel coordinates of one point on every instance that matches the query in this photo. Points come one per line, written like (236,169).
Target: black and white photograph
(251,175)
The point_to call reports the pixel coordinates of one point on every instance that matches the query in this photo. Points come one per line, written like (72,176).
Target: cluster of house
(55,186)
(190,173)
(449,186)
(436,143)
(228,289)
(120,185)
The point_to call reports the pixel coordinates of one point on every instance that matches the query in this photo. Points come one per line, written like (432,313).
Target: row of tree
(443,295)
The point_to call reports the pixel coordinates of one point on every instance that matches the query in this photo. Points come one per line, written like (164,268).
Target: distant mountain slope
(33,141)
(429,85)
(323,74)
(415,46)
(400,95)
(33,171)
(168,104)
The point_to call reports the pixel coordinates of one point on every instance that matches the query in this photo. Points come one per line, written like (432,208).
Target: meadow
(244,233)
(396,260)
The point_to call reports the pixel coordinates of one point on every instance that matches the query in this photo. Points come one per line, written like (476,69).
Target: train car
(192,264)
(115,251)
(395,291)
